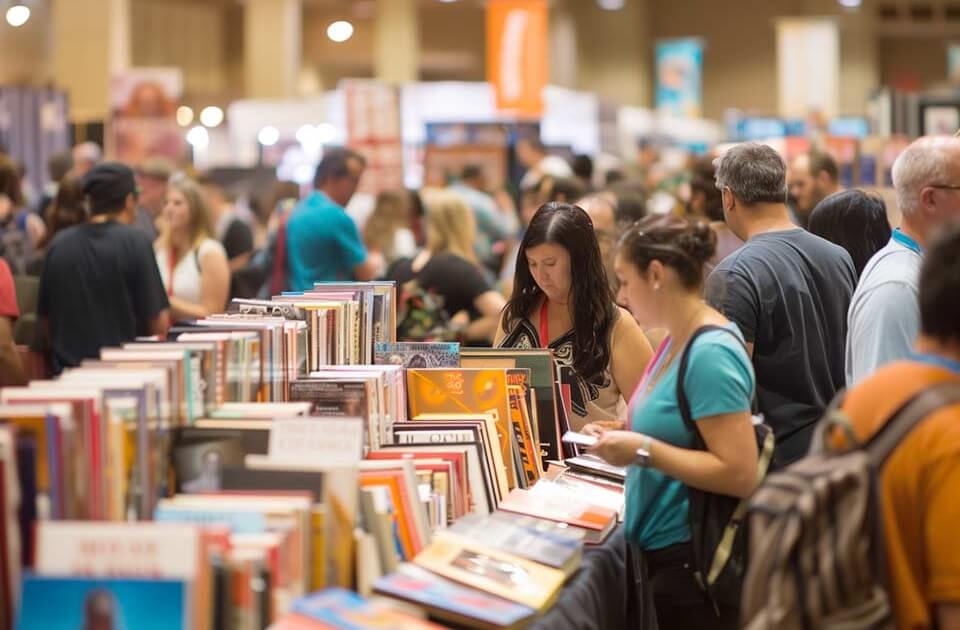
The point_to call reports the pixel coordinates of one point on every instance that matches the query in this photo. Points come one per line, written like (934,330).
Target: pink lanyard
(647,375)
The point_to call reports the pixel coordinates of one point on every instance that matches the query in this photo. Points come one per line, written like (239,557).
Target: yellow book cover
(318,565)
(433,391)
(495,572)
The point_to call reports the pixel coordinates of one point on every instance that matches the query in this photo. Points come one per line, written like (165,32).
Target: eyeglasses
(944,186)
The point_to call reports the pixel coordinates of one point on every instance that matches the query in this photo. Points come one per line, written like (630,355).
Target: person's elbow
(743,478)
(368,269)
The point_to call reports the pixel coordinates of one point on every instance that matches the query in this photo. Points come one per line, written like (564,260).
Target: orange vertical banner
(517,54)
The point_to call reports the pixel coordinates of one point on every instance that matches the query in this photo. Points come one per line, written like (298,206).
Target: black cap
(107,186)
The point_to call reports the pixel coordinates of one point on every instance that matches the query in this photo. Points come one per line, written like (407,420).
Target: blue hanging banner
(679,65)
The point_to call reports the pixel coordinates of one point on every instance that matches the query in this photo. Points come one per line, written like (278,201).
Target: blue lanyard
(936,360)
(906,241)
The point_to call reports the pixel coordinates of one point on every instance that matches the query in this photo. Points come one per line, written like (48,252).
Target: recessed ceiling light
(611,5)
(340,31)
(17,15)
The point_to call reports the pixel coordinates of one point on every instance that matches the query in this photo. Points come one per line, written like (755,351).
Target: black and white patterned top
(593,399)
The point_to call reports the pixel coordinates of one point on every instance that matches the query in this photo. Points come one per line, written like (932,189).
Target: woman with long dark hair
(562,300)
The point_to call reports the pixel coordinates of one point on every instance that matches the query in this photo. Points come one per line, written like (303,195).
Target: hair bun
(699,241)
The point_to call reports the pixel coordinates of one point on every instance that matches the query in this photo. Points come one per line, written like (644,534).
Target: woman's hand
(599,427)
(618,448)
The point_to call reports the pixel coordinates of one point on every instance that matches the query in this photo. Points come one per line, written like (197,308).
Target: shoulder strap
(910,414)
(682,401)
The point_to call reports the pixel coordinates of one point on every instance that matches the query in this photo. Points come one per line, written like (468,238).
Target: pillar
(563,45)
(396,46)
(91,42)
(272,48)
(859,64)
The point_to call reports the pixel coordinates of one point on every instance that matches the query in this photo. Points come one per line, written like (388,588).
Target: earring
(656,286)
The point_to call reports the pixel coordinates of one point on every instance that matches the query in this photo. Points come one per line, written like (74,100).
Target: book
(542,368)
(494,572)
(451,602)
(343,610)
(103,602)
(418,355)
(561,506)
(595,465)
(548,543)
(465,391)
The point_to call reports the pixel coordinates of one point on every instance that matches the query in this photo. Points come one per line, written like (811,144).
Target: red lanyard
(544,327)
(172,264)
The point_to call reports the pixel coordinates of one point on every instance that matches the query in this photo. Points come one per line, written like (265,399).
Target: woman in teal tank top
(660,267)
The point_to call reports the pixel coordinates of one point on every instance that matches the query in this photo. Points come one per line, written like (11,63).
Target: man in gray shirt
(884,317)
(787,290)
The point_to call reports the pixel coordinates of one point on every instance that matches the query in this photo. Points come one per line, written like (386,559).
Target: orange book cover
(465,390)
(394,481)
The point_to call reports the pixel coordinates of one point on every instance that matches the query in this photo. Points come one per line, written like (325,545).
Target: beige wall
(740,65)
(184,34)
(25,51)
(614,50)
(922,58)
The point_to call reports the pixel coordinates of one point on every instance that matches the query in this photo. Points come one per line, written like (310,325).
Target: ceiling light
(850,4)
(326,133)
(211,116)
(308,136)
(340,31)
(17,15)
(198,137)
(184,116)
(269,136)
(611,5)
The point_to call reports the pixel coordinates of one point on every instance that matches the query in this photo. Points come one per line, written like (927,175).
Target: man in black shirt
(788,291)
(100,285)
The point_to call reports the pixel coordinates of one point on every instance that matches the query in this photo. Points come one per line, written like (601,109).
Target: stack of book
(291,447)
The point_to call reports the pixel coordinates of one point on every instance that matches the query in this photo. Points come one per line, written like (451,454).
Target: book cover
(465,391)
(333,398)
(84,602)
(418,355)
(107,548)
(547,543)
(449,601)
(494,572)
(345,610)
(563,508)
(542,376)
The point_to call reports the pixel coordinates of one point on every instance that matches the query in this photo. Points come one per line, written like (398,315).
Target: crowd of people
(765,289)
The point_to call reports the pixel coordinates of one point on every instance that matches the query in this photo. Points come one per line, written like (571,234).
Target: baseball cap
(107,186)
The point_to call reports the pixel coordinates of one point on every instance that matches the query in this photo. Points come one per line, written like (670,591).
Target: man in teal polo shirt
(323,242)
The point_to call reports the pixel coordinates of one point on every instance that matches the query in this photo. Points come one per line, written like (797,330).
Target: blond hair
(201,225)
(391,213)
(451,226)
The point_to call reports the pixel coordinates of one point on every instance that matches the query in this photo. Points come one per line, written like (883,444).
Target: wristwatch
(642,460)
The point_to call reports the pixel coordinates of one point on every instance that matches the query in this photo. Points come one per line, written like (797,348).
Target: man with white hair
(86,155)
(884,316)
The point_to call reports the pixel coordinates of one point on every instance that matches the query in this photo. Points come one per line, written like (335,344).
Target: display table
(605,594)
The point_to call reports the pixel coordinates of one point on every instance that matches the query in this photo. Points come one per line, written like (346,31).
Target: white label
(327,441)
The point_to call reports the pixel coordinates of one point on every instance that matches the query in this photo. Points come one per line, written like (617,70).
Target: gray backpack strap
(882,444)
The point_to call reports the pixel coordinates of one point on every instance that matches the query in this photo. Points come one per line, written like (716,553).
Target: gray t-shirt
(788,292)
(884,317)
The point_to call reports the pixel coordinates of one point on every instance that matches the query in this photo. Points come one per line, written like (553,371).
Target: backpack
(718,538)
(816,543)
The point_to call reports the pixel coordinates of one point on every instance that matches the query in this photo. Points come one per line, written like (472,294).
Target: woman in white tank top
(193,266)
